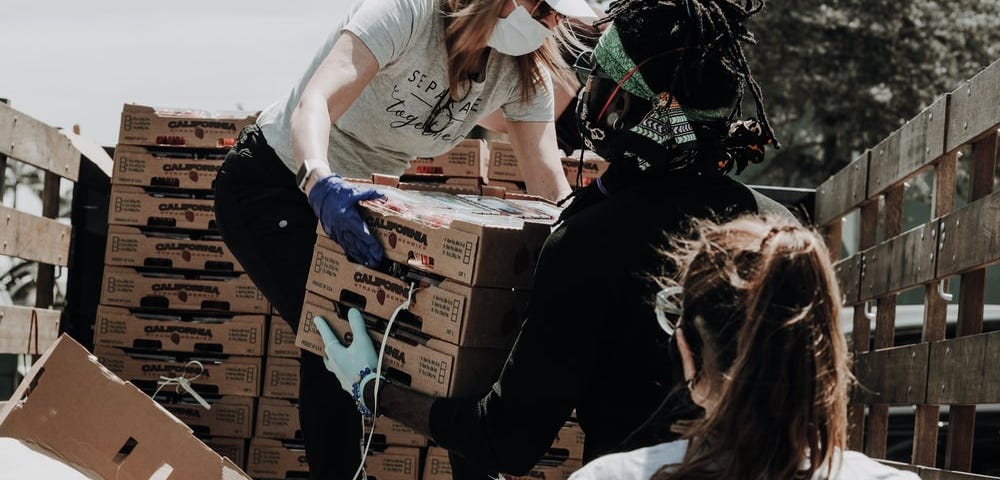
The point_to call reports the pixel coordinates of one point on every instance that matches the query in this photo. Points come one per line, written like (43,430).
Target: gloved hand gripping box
(444,309)
(424,363)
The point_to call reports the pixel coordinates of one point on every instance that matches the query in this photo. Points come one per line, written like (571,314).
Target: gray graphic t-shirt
(384,128)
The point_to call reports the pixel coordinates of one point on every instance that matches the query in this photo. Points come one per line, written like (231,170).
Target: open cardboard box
(81,413)
(429,365)
(451,311)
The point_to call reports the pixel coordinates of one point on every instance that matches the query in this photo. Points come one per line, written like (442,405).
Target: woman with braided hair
(758,335)
(661,98)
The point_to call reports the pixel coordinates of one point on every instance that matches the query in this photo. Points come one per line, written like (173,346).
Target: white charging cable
(378,379)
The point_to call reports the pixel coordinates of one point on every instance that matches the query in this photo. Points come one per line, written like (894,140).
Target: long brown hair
(468,26)
(760,316)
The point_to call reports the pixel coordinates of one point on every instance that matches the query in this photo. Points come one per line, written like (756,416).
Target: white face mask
(518,33)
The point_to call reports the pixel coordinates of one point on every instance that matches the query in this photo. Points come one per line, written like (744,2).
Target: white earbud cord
(378,378)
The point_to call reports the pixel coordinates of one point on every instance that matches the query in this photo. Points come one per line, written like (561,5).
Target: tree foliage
(841,75)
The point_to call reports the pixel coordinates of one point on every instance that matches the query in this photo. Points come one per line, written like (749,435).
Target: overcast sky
(68,62)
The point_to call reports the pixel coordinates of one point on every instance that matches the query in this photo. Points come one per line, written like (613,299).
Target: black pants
(267,223)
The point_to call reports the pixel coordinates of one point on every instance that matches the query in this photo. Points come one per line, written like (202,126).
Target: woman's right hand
(334,200)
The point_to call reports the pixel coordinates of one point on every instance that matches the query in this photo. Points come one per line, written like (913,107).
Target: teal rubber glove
(353,363)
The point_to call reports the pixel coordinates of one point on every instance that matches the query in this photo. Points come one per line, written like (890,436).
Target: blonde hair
(760,314)
(468,26)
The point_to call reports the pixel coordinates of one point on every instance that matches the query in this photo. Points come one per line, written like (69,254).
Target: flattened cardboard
(281,339)
(239,335)
(392,432)
(129,247)
(393,463)
(136,207)
(468,159)
(456,313)
(281,378)
(232,375)
(64,406)
(503,163)
(278,419)
(144,167)
(425,364)
(230,415)
(437,466)
(467,253)
(143,125)
(127,287)
(271,458)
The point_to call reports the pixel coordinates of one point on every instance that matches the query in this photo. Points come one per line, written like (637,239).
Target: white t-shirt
(383,129)
(643,463)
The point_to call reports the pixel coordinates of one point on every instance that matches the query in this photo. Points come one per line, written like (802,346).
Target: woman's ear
(687,358)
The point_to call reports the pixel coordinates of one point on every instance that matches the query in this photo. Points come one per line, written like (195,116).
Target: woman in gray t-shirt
(395,80)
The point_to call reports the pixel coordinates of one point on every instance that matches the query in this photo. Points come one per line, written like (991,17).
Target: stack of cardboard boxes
(462,169)
(175,304)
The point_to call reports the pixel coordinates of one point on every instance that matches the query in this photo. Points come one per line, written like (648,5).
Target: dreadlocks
(709,74)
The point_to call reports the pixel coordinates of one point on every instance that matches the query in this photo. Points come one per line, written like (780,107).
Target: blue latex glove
(348,362)
(334,200)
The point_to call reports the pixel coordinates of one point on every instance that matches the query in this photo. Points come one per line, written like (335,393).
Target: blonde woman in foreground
(758,337)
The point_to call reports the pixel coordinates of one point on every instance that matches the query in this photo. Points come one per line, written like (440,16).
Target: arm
(334,86)
(534,145)
(495,122)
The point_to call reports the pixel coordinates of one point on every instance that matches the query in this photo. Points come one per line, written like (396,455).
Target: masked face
(605,114)
(518,33)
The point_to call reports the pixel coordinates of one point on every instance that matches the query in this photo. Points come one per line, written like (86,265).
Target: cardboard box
(171,168)
(514,187)
(463,315)
(142,125)
(426,364)
(278,419)
(70,405)
(230,415)
(437,466)
(393,463)
(270,458)
(391,432)
(473,254)
(281,378)
(128,287)
(233,448)
(135,206)
(550,469)
(238,335)
(569,442)
(593,167)
(130,247)
(503,163)
(218,376)
(468,159)
(281,339)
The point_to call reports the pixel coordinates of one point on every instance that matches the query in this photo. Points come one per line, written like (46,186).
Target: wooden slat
(17,334)
(991,389)
(28,140)
(908,150)
(935,474)
(905,261)
(45,278)
(959,373)
(843,191)
(848,273)
(33,238)
(961,437)
(892,376)
(974,108)
(925,432)
(984,163)
(970,237)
